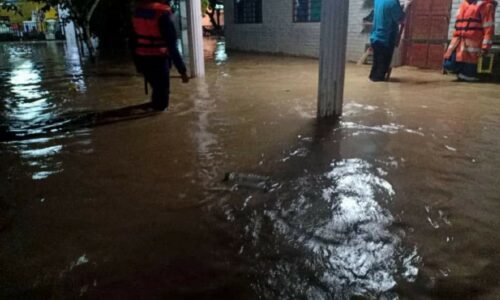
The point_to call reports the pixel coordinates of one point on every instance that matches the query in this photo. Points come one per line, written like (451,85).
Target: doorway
(426,35)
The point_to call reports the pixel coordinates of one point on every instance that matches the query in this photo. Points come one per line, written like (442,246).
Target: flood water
(102,199)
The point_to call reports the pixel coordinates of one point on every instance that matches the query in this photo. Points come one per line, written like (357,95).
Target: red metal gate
(427,33)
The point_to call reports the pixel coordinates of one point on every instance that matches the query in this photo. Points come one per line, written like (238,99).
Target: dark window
(248,11)
(306,10)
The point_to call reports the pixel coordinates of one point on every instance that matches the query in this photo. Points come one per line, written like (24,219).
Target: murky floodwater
(104,199)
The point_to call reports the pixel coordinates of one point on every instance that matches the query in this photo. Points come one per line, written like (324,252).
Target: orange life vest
(474,30)
(146,23)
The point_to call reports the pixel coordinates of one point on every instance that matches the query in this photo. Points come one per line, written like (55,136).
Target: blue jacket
(388,14)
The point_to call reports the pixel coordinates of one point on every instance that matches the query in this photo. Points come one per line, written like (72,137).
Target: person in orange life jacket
(473,36)
(154,46)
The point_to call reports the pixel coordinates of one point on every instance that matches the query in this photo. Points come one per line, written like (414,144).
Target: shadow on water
(35,81)
(332,225)
(73,121)
(38,114)
(323,231)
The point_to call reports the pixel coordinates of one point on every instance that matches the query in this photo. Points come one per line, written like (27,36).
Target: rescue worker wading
(473,36)
(154,44)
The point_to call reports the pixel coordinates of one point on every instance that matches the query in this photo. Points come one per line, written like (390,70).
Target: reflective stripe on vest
(469,19)
(472,49)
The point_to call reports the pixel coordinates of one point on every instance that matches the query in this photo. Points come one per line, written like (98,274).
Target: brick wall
(279,34)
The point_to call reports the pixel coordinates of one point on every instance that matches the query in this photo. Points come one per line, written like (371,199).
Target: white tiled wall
(279,34)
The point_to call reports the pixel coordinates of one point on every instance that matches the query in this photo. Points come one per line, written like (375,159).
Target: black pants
(156,70)
(382,57)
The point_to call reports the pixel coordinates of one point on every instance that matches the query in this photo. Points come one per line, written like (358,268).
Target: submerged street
(102,199)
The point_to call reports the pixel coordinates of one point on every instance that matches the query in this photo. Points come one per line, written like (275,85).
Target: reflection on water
(42,160)
(389,203)
(30,113)
(326,236)
(358,129)
(208,147)
(215,49)
(39,117)
(74,67)
(29,102)
(220,52)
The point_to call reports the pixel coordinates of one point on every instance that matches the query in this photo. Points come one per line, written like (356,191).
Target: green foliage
(111,19)
(78,9)
(209,7)
(80,12)
(204,6)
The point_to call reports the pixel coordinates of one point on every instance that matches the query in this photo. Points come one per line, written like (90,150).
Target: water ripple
(327,236)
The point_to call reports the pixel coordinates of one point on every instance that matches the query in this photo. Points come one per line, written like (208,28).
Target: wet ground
(103,200)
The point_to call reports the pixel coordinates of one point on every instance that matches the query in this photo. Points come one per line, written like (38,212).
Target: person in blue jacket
(388,15)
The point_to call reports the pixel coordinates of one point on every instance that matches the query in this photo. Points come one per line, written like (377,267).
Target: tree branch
(92,9)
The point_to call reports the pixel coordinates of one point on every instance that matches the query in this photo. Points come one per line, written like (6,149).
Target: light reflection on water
(327,236)
(29,110)
(220,52)
(208,146)
(215,49)
(74,67)
(359,129)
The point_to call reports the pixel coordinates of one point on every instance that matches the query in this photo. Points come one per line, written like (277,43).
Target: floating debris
(251,181)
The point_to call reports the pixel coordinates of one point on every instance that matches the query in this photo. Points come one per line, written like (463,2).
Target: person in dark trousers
(154,46)
(388,15)
(472,38)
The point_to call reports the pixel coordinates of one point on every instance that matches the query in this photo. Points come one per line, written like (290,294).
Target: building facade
(292,27)
(28,22)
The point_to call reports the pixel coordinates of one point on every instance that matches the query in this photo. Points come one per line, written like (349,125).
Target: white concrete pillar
(197,60)
(332,60)
(184,29)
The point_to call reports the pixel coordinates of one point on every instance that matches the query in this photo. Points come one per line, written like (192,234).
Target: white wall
(279,34)
(276,34)
(356,40)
